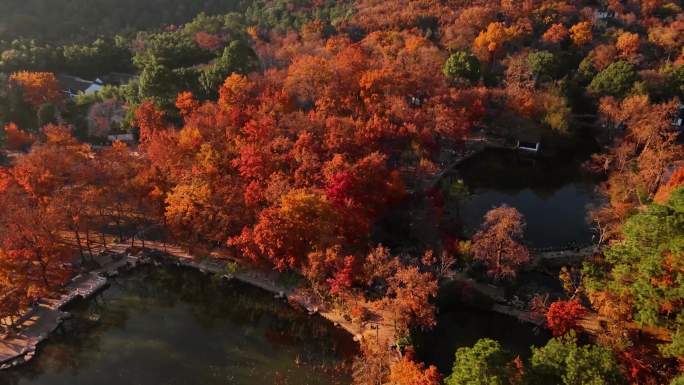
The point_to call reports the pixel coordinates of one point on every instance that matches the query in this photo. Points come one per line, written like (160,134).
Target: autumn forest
(320,150)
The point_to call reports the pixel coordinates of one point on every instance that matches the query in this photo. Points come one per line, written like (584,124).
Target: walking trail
(40,321)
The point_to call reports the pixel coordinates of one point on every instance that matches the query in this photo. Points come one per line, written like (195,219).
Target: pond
(175,326)
(553,193)
(463,319)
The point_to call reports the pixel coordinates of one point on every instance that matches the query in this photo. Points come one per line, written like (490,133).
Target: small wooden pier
(38,322)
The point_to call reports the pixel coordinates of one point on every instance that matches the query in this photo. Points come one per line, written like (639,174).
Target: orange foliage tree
(234,91)
(55,164)
(38,87)
(669,36)
(186,103)
(581,34)
(497,243)
(556,33)
(150,119)
(628,45)
(303,222)
(17,139)
(638,159)
(490,42)
(408,298)
(408,372)
(34,262)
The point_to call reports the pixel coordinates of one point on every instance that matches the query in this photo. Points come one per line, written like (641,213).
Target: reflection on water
(173,326)
(552,193)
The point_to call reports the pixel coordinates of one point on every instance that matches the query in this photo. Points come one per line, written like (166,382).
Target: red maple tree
(563,316)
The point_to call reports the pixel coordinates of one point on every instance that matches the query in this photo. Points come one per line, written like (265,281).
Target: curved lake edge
(87,285)
(451,202)
(171,324)
(151,257)
(543,188)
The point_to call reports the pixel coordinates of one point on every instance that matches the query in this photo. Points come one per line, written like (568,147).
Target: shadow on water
(175,326)
(463,319)
(463,327)
(553,192)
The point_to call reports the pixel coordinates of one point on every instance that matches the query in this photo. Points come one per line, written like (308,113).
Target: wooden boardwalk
(35,328)
(473,146)
(36,325)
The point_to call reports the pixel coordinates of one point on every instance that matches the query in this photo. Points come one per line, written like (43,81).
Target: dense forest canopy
(60,21)
(285,133)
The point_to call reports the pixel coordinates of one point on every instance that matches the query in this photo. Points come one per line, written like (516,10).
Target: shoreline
(44,319)
(39,322)
(47,317)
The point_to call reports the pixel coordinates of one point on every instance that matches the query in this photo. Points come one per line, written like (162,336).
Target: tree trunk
(118,227)
(80,247)
(90,250)
(43,268)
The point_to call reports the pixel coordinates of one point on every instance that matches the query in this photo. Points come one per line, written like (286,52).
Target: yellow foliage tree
(491,41)
(580,33)
(628,45)
(38,87)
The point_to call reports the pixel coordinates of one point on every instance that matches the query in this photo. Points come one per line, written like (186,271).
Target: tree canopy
(486,363)
(462,65)
(563,361)
(616,80)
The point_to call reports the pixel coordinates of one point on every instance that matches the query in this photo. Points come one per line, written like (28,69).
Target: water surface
(464,326)
(174,326)
(554,194)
